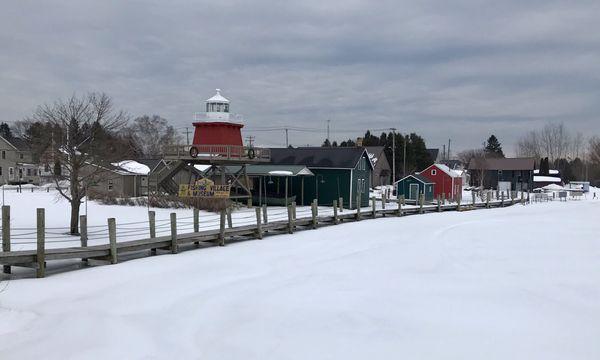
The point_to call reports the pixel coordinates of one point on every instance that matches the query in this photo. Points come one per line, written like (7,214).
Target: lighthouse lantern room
(217,126)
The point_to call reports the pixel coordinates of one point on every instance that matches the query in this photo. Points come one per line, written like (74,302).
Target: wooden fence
(173,242)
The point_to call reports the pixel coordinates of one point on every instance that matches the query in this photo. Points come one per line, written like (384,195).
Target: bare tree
(594,150)
(552,141)
(151,134)
(83,142)
(476,160)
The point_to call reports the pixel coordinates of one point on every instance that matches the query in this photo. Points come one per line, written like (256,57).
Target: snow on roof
(202,167)
(218,98)
(281,173)
(552,179)
(446,169)
(553,187)
(551,172)
(133,166)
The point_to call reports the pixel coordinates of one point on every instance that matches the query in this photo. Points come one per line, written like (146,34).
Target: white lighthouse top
(218,98)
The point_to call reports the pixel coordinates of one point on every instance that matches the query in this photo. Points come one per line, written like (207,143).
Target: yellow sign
(204,188)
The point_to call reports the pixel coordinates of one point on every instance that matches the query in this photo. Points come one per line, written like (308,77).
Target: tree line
(417,156)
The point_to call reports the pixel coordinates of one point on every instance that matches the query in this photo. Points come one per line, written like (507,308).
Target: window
(21,156)
(433,172)
(110,185)
(28,172)
(20,173)
(11,171)
(3,154)
(0,170)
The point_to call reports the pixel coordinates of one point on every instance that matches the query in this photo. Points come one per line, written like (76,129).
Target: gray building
(382,171)
(502,173)
(16,162)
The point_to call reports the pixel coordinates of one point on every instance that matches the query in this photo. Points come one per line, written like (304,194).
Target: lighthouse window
(226,107)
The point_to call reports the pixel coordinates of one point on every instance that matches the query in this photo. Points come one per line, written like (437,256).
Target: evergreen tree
(326,143)
(5,131)
(493,147)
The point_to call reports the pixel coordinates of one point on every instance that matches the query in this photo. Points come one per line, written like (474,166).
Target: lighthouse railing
(217,152)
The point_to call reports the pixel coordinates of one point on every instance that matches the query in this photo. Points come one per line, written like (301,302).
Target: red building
(447,181)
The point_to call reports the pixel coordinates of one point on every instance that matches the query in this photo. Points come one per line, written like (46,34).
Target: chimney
(359,141)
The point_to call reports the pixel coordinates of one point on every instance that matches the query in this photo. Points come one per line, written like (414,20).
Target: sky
(458,70)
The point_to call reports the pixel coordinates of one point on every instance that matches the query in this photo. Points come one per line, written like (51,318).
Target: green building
(412,185)
(338,172)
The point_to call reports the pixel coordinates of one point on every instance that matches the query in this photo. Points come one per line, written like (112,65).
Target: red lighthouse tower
(216,126)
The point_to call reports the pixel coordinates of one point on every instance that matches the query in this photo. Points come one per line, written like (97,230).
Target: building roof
(502,164)
(452,164)
(218,98)
(433,154)
(151,163)
(319,157)
(375,153)
(546,179)
(446,170)
(419,177)
(133,166)
(272,170)
(18,143)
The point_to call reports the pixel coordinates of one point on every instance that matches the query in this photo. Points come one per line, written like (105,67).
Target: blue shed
(412,185)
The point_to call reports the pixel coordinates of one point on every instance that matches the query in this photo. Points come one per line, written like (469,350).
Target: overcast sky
(444,69)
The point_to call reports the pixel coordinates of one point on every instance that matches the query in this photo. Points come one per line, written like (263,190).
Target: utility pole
(328,121)
(187,135)
(393,155)
(404,157)
(287,144)
(448,153)
(250,140)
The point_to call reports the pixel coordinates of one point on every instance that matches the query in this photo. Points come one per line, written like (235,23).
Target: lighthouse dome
(217,107)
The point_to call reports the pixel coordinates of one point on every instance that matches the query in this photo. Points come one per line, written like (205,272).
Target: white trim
(350,196)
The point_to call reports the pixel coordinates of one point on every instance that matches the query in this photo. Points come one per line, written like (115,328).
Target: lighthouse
(217,126)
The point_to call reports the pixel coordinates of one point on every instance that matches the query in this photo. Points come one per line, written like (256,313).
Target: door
(413,192)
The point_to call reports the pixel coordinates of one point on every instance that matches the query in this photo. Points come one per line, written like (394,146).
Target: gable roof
(376,153)
(272,170)
(418,177)
(319,157)
(18,143)
(445,169)
(502,164)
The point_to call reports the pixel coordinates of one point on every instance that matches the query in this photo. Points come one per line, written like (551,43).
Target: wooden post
(221,239)
(421,201)
(249,203)
(341,204)
(6,234)
(290,219)
(264,213)
(313,208)
(439,203)
(259,234)
(444,198)
(458,203)
(513,196)
(336,220)
(196,220)
(383,200)
(522,198)
(374,207)
(41,239)
(502,201)
(174,247)
(403,198)
(229,220)
(112,239)
(473,198)
(293,203)
(83,230)
(487,199)
(152,226)
(358,215)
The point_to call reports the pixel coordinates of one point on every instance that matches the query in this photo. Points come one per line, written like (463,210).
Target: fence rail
(254,225)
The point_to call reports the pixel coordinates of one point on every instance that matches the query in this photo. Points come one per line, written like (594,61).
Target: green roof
(272,170)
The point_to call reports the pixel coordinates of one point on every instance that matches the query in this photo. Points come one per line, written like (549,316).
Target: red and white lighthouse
(217,126)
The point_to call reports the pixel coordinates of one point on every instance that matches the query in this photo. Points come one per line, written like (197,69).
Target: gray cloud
(460,69)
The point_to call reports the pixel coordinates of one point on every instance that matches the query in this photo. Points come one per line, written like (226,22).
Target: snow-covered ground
(511,283)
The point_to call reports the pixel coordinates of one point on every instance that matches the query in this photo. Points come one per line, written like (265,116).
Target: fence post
(443,198)
(249,203)
(439,203)
(421,201)
(229,221)
(399,213)
(458,203)
(335,212)
(294,211)
(487,199)
(174,247)
(358,215)
(374,207)
(221,239)
(383,200)
(502,200)
(313,210)
(196,220)
(41,239)
(6,234)
(258,224)
(112,239)
(403,198)
(264,213)
(341,204)
(83,230)
(290,214)
(522,198)
(152,226)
